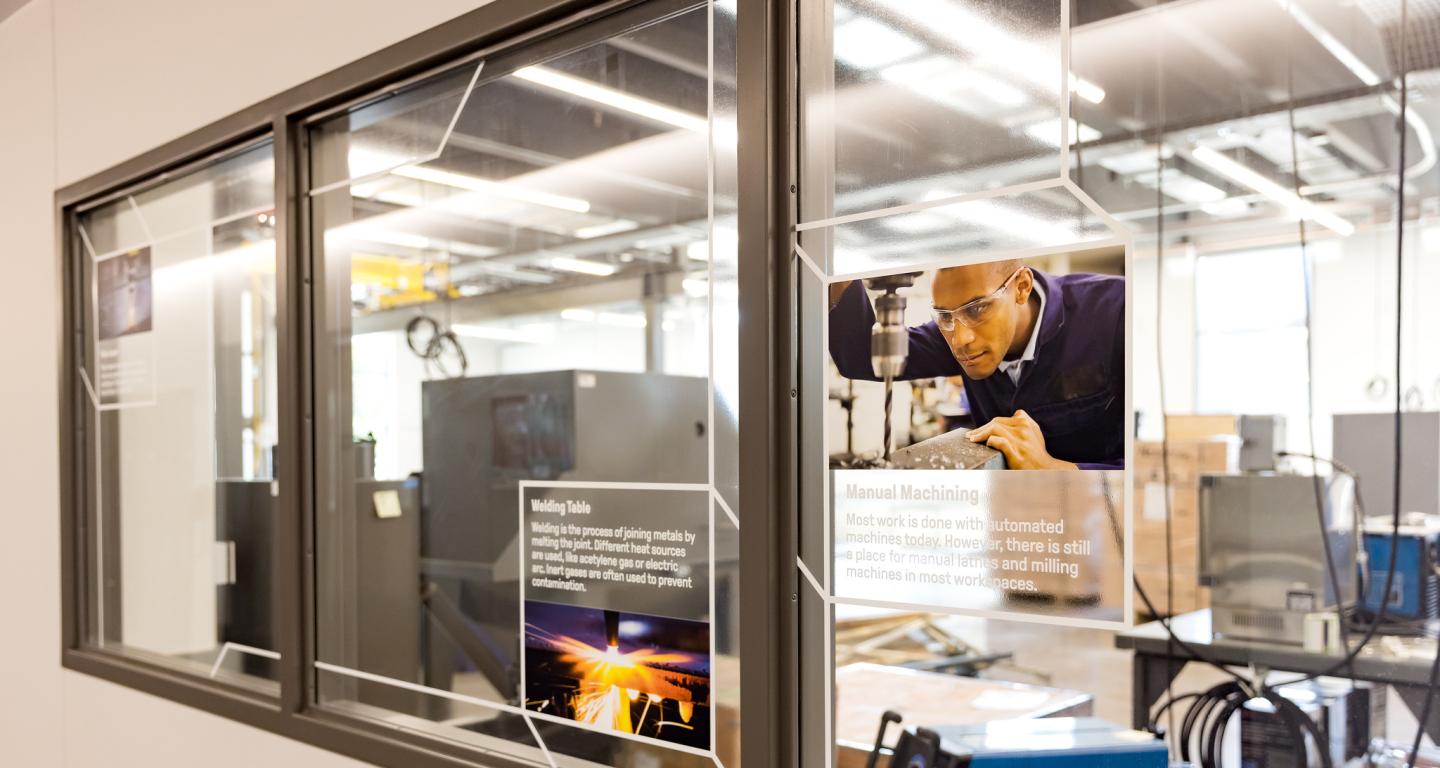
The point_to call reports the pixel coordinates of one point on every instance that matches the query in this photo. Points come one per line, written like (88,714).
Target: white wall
(88,85)
(1354,324)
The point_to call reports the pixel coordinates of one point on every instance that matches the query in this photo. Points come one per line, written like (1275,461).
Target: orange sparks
(610,680)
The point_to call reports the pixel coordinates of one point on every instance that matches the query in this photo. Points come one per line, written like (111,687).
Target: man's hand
(1020,439)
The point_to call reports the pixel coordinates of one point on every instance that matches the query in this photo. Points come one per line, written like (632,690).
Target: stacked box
(1188,460)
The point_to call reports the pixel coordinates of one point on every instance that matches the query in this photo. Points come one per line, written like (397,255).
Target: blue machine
(1082,742)
(1415,589)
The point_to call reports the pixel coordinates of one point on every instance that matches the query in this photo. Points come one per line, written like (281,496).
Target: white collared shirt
(1013,368)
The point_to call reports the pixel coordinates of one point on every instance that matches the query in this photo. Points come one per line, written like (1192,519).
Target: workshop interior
(1145,277)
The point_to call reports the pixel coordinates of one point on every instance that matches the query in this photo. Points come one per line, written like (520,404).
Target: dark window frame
(768,624)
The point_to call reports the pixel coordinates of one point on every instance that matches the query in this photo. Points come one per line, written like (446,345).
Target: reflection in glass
(1252,154)
(529,301)
(181,370)
(909,78)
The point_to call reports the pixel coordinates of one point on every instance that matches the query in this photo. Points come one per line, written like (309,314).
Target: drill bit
(889,399)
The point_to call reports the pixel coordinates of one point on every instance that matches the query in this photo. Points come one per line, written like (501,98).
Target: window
(179,371)
(1251,327)
(436,459)
(520,261)
(404,408)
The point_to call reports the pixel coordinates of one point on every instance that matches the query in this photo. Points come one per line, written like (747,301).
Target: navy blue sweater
(1074,388)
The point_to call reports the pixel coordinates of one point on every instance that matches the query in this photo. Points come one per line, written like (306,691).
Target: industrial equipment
(1263,540)
(1414,599)
(889,338)
(1365,444)
(482,436)
(1269,541)
(1080,742)
(1347,715)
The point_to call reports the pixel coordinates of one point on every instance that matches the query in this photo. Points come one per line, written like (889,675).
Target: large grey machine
(1263,540)
(1365,443)
(482,437)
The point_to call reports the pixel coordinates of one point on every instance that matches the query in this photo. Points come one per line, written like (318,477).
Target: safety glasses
(973,313)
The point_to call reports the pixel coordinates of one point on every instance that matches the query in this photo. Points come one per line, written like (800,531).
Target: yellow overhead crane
(401,281)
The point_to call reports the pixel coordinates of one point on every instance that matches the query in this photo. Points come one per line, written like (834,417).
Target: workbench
(865,691)
(1400,662)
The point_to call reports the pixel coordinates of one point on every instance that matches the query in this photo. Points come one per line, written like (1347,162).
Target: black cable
(1194,653)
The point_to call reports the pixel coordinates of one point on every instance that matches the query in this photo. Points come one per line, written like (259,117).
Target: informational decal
(616,595)
(974,539)
(124,317)
(986,423)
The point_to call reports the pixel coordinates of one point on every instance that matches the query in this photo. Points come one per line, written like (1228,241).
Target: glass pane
(238,187)
(406,127)
(515,361)
(1019,223)
(181,368)
(893,84)
(1251,156)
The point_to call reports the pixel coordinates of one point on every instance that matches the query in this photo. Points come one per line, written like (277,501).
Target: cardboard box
(1189,595)
(1190,426)
(1188,460)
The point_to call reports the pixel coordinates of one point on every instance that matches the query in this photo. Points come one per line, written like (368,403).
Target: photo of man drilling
(1041,357)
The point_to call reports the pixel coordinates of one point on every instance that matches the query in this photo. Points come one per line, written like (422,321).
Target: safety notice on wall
(124,366)
(616,594)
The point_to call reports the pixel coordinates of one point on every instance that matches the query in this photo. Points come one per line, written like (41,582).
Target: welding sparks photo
(643,675)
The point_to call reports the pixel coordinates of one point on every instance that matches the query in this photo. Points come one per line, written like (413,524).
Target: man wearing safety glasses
(1042,358)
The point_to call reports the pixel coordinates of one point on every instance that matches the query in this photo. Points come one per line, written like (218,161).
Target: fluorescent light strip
(616,319)
(1292,202)
(499,189)
(582,266)
(1336,48)
(987,41)
(867,44)
(493,333)
(947,81)
(1048,132)
(608,228)
(600,94)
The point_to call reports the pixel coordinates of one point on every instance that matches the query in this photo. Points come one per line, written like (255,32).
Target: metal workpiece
(952,450)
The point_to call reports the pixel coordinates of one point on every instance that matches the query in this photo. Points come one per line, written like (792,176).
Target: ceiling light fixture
(493,333)
(617,319)
(991,43)
(583,266)
(1292,202)
(496,188)
(600,94)
(1048,132)
(867,44)
(608,228)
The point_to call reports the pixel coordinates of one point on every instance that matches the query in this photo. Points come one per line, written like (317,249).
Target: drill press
(889,338)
